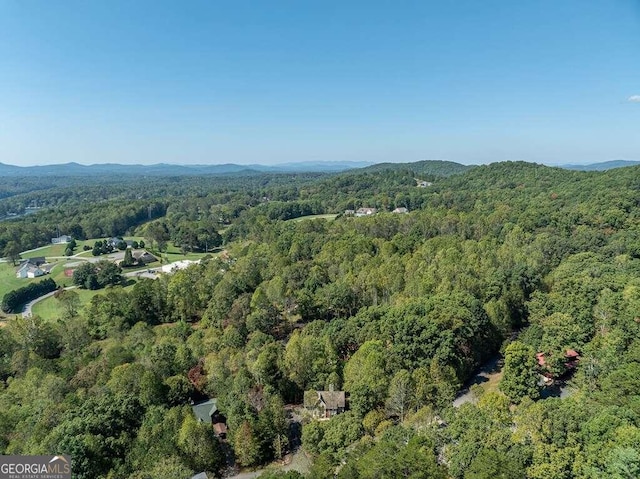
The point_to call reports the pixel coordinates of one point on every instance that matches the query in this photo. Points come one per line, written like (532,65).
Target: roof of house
(201,475)
(569,354)
(402,209)
(220,428)
(143,254)
(37,260)
(24,265)
(29,267)
(176,265)
(204,410)
(330,399)
(366,210)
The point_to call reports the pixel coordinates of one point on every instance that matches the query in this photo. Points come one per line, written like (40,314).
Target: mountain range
(605,165)
(163,169)
(434,167)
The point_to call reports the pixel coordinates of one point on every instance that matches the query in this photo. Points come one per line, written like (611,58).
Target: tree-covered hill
(431,168)
(397,310)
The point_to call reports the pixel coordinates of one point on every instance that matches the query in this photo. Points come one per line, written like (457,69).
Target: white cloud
(634,99)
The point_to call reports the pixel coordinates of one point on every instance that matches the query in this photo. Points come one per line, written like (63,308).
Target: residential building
(366,212)
(177,265)
(325,404)
(28,270)
(61,239)
(400,210)
(207,412)
(143,257)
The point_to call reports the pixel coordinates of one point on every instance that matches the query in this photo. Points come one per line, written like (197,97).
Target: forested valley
(538,267)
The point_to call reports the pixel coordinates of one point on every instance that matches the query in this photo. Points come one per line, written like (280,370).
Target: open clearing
(50,308)
(315,217)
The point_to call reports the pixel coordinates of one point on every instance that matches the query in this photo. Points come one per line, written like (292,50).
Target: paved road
(26,309)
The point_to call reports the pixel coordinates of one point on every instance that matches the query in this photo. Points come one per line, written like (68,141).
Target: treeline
(97,275)
(80,222)
(16,298)
(115,206)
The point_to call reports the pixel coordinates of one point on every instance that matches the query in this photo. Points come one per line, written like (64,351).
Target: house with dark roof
(325,404)
(114,241)
(36,260)
(143,257)
(207,412)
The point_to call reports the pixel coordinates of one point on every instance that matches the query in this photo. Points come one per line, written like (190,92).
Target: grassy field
(171,255)
(315,217)
(56,249)
(54,253)
(50,308)
(59,249)
(9,282)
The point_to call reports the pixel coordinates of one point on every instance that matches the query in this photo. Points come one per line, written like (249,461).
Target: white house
(366,212)
(401,210)
(172,267)
(61,239)
(29,270)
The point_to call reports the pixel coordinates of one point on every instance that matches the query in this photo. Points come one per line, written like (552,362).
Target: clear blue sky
(258,81)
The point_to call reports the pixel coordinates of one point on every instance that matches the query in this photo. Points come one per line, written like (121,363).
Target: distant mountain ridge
(603,166)
(164,169)
(440,168)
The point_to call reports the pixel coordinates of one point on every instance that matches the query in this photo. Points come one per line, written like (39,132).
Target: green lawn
(173,254)
(50,308)
(57,249)
(315,217)
(8,280)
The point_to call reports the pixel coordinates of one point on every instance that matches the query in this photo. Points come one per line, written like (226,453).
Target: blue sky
(471,81)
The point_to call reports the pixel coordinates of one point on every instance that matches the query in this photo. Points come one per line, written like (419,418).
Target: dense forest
(514,261)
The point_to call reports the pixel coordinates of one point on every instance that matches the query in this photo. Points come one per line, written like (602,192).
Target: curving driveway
(26,309)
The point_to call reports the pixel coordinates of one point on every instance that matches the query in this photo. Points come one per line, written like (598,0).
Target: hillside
(437,168)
